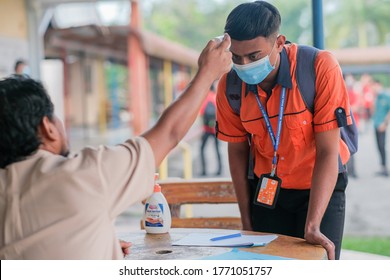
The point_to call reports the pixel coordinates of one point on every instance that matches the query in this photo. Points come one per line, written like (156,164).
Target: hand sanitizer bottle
(157,216)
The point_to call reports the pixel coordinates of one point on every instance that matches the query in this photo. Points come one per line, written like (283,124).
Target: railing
(185,149)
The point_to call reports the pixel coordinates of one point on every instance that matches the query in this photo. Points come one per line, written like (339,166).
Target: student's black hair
(23,104)
(250,20)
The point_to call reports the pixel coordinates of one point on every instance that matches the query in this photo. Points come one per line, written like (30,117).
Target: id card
(267,191)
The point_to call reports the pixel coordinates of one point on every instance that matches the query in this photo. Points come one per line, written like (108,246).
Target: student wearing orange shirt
(298,150)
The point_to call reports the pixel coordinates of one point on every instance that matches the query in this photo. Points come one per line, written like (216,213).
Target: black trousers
(381,144)
(289,215)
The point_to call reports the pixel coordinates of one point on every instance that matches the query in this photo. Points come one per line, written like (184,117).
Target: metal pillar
(318,28)
(138,75)
(35,45)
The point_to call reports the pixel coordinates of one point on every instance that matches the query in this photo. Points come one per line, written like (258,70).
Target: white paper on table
(203,240)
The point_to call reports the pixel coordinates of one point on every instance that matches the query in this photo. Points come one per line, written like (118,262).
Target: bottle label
(154,215)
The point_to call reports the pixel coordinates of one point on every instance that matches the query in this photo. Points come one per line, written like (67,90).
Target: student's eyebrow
(249,54)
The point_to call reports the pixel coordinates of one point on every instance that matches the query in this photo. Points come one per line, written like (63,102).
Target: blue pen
(225,237)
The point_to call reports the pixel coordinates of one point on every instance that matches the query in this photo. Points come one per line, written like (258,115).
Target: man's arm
(238,163)
(175,121)
(323,183)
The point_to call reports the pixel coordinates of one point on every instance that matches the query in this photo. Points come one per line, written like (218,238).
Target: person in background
(54,206)
(381,120)
(355,102)
(21,69)
(368,99)
(208,113)
(293,149)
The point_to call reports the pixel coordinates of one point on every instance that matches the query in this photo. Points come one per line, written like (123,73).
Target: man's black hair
(250,20)
(23,104)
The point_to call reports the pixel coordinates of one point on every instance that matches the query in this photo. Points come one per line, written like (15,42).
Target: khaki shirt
(52,207)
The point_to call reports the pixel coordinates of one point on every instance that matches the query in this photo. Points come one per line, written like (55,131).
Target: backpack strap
(306,74)
(233,91)
(306,77)
(233,95)
(350,136)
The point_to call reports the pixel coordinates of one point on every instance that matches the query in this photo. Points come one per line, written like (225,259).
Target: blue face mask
(255,72)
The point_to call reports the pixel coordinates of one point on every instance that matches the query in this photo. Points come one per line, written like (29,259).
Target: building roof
(111,42)
(372,55)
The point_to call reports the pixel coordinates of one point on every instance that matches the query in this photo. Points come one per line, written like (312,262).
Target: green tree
(356,23)
(347,23)
(190,22)
(296,20)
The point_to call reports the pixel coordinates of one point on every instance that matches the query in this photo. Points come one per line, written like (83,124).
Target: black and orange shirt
(297,150)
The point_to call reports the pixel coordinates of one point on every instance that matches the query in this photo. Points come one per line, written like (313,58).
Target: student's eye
(254,57)
(236,59)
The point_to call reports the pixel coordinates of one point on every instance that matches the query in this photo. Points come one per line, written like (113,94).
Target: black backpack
(209,115)
(306,77)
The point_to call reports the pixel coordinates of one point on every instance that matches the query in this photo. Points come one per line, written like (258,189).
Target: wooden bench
(179,192)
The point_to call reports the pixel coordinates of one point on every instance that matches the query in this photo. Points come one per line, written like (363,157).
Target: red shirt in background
(211,97)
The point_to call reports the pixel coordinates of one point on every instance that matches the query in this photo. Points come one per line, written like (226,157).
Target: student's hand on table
(125,247)
(316,237)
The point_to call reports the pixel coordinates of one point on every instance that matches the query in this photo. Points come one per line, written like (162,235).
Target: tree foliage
(190,22)
(347,23)
(357,23)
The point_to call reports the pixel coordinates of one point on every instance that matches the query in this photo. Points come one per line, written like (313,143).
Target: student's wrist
(312,227)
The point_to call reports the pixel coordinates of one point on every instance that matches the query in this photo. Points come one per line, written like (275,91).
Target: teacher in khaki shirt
(53,206)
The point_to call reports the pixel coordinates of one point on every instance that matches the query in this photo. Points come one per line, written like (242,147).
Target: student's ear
(280,41)
(47,129)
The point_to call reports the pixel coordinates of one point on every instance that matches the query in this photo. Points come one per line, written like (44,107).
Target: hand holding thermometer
(219,39)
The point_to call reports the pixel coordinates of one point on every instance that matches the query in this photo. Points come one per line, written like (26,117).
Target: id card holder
(267,191)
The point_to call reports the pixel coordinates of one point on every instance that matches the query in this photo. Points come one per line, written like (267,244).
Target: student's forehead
(258,44)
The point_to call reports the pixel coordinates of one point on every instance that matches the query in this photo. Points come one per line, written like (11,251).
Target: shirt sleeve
(127,171)
(331,94)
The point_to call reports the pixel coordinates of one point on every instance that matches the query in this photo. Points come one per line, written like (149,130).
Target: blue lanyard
(275,140)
